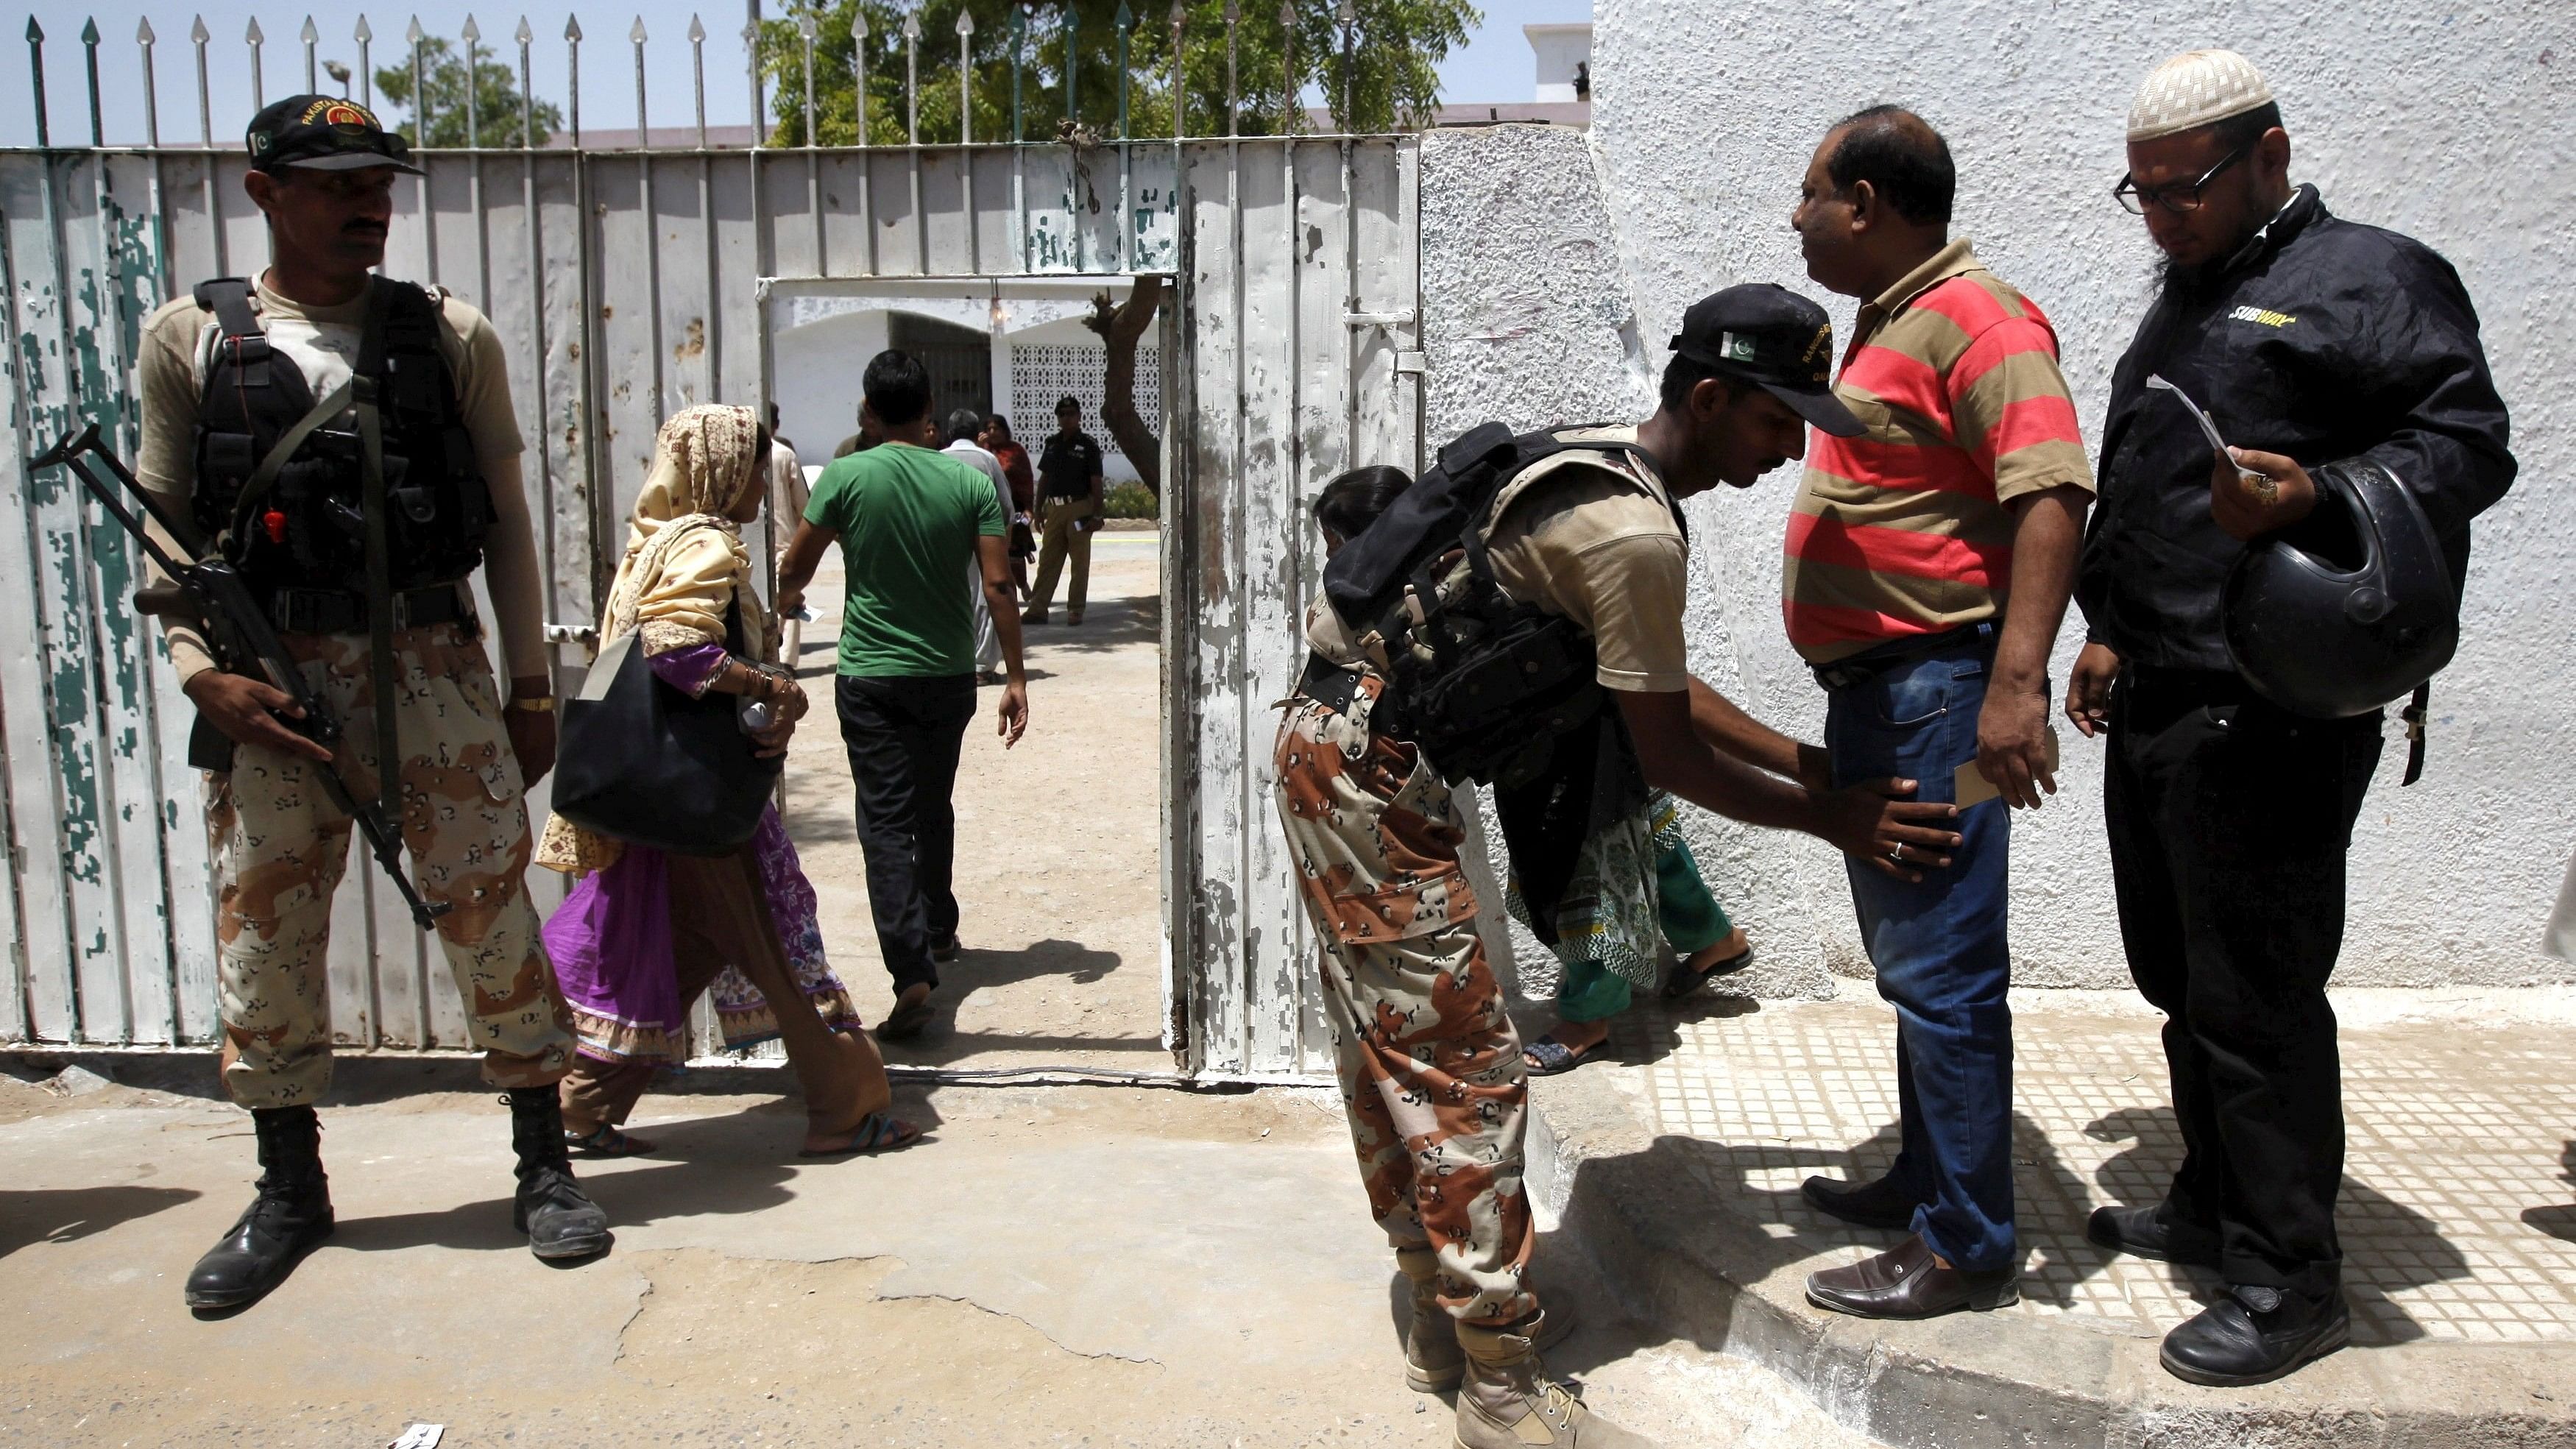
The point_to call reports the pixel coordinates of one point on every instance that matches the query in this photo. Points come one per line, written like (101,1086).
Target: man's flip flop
(1547,1056)
(876,1132)
(1685,980)
(904,1022)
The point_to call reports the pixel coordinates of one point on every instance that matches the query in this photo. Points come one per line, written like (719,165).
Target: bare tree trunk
(1119,326)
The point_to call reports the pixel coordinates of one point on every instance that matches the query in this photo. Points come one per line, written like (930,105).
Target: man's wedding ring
(1896,853)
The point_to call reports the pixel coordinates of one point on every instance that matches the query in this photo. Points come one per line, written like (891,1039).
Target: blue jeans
(1939,950)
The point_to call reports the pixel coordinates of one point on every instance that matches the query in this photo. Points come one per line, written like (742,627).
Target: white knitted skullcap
(2194,89)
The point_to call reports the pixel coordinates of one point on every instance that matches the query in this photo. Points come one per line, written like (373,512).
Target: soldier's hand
(2088,689)
(1014,713)
(242,709)
(1877,822)
(2252,494)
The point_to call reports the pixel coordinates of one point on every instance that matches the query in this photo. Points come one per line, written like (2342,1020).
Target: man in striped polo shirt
(1929,562)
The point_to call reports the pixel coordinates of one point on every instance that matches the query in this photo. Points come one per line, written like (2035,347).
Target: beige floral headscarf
(684,557)
(684,565)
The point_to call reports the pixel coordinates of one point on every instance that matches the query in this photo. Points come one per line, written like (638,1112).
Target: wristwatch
(534,703)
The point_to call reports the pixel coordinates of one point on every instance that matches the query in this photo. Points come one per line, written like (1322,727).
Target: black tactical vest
(306,528)
(1483,684)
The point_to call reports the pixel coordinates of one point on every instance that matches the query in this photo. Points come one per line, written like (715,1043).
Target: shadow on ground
(66,1215)
(2560,1221)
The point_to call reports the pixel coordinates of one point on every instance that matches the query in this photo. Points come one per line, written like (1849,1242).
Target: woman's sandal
(876,1132)
(905,1022)
(606,1142)
(1547,1056)
(1686,980)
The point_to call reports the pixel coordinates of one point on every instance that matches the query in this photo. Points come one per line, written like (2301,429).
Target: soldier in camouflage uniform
(293,417)
(1580,524)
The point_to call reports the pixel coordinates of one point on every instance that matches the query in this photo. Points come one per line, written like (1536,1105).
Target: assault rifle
(212,594)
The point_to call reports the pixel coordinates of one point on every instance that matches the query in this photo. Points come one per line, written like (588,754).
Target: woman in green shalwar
(1635,884)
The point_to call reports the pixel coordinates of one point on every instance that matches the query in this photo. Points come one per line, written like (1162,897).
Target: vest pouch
(225,462)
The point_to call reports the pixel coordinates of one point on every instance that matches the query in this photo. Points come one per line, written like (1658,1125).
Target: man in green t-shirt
(908,518)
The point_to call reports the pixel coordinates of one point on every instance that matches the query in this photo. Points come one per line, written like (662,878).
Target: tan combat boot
(1509,1402)
(1433,1362)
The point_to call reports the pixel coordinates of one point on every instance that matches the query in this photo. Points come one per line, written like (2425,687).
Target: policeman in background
(262,403)
(2312,340)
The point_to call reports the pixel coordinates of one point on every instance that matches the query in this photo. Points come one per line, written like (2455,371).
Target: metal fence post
(144,38)
(1125,20)
(643,128)
(258,76)
(912,79)
(365,35)
(1019,47)
(97,124)
(1072,63)
(965,78)
(859,70)
(311,35)
(1233,65)
(698,73)
(473,36)
(572,86)
(1180,76)
(1349,17)
(419,79)
(527,103)
(200,36)
(1288,69)
(36,64)
(805,27)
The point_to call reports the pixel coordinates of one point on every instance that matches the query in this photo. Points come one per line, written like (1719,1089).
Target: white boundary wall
(1556,269)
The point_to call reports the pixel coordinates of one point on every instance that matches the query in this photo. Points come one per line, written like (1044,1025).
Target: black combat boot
(291,1214)
(559,1218)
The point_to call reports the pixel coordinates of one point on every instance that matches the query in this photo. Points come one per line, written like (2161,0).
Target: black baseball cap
(1765,333)
(324,133)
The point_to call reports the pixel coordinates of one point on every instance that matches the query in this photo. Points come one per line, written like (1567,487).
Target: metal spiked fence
(1024,31)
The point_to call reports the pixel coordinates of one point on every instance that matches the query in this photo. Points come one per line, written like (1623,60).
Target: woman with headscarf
(645,933)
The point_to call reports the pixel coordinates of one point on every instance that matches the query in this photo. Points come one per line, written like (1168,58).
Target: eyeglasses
(2179,198)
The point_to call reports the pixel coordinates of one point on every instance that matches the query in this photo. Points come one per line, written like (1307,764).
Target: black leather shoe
(2255,1335)
(291,1215)
(1880,1203)
(2145,1232)
(943,949)
(559,1218)
(1907,1282)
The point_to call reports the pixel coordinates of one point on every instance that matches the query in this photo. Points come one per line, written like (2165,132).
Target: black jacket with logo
(2320,339)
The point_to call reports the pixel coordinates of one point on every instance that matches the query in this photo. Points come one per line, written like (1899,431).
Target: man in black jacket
(2310,340)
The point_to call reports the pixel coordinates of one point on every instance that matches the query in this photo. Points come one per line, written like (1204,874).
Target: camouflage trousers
(1430,1067)
(281,848)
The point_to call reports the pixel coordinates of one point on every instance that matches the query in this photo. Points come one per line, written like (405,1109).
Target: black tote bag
(645,763)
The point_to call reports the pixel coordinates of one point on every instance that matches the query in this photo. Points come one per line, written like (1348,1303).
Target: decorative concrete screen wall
(625,286)
(1555,270)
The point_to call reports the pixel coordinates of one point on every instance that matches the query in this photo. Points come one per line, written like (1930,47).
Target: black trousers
(903,736)
(2229,822)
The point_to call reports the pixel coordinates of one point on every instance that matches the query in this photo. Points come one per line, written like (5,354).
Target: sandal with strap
(1546,1057)
(606,1142)
(876,1132)
(1687,979)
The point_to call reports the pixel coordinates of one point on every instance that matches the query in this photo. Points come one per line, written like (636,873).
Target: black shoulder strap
(229,299)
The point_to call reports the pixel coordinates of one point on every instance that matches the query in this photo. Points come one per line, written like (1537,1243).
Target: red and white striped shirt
(1904,531)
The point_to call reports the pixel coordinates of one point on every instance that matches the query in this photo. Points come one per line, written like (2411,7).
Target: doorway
(1063,951)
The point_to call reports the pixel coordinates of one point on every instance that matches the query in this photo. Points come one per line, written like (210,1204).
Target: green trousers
(1692,921)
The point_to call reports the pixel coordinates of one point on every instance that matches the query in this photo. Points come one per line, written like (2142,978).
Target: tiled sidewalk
(2459,1206)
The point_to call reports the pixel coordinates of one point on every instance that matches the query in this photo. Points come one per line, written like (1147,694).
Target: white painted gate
(625,285)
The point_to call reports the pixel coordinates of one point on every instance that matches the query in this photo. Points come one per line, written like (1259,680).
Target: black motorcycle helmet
(2348,609)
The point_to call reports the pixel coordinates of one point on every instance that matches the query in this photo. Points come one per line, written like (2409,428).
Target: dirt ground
(1058,854)
(1053,1266)
(1066,1266)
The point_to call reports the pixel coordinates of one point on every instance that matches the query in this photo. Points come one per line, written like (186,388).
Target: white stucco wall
(2442,125)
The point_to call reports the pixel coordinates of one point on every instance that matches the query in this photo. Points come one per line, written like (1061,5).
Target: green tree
(1391,82)
(496,100)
